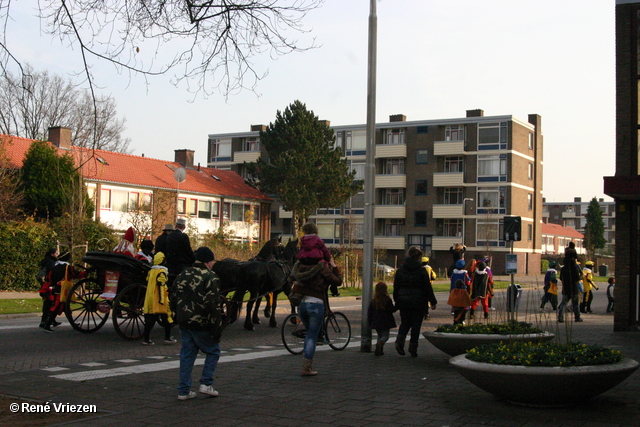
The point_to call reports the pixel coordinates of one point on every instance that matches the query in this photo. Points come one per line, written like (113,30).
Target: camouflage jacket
(195,299)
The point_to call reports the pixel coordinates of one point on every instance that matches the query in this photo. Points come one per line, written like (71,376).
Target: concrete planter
(455,344)
(544,386)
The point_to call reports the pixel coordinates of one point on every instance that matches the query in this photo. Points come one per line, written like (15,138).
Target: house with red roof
(556,237)
(149,192)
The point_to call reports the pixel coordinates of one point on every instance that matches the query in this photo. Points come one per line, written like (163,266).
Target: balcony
(390,211)
(448,179)
(391,181)
(447,211)
(569,215)
(448,148)
(443,243)
(391,150)
(245,156)
(395,242)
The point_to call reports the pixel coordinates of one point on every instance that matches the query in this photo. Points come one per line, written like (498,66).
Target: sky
(435,60)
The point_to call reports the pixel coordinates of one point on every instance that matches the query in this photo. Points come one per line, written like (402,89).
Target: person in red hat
(126,245)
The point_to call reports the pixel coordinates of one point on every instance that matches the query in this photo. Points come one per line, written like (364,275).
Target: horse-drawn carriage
(116,284)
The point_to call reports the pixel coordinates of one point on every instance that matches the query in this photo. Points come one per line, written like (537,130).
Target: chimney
(327,123)
(60,137)
(577,199)
(475,113)
(398,118)
(258,128)
(184,157)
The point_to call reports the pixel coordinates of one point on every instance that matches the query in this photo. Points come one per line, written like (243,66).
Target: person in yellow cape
(156,301)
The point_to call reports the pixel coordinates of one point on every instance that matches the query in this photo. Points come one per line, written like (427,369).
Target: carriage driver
(195,300)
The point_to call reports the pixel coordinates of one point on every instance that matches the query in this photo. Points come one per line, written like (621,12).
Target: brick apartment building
(437,183)
(624,187)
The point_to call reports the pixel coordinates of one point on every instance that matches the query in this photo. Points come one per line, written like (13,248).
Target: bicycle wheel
(293,333)
(338,330)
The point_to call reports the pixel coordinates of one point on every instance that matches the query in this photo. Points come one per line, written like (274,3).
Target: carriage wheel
(85,309)
(338,330)
(293,333)
(128,314)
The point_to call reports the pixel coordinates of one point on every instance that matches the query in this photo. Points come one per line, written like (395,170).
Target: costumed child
(156,301)
(550,287)
(381,315)
(459,300)
(481,289)
(610,294)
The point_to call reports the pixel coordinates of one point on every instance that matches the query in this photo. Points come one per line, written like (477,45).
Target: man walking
(570,275)
(179,254)
(195,300)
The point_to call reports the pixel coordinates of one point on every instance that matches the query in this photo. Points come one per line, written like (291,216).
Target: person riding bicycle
(313,277)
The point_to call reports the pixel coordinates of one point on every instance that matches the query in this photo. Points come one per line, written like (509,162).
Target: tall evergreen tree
(47,180)
(304,170)
(594,228)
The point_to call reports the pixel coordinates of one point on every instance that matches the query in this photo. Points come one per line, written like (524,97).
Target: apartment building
(438,182)
(574,215)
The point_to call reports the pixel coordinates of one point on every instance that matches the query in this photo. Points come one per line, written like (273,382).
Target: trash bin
(603,270)
(514,293)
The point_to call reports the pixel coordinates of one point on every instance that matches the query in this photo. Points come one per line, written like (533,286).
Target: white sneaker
(208,389)
(191,395)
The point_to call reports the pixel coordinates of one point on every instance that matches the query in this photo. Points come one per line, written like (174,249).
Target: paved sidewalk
(261,386)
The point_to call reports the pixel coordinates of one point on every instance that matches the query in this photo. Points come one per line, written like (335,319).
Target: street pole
(369,183)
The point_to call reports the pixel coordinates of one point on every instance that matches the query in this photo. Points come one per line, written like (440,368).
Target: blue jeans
(312,315)
(192,341)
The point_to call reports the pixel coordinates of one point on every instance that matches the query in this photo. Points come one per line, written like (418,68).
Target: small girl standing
(381,315)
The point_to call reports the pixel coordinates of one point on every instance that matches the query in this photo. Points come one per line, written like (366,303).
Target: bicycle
(336,328)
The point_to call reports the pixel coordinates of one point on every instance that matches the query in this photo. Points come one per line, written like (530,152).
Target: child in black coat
(381,315)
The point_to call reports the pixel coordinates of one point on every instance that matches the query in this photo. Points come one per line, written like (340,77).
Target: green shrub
(509,328)
(22,245)
(544,266)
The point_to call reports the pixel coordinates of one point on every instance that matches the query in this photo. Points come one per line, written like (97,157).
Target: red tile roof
(127,169)
(558,230)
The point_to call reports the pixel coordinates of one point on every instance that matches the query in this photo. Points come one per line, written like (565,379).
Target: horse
(256,277)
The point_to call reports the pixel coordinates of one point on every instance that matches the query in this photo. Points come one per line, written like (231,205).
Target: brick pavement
(352,389)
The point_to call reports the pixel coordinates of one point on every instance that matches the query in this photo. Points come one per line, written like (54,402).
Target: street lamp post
(464,214)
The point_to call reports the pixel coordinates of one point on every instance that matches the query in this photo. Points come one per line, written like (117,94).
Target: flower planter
(454,344)
(544,386)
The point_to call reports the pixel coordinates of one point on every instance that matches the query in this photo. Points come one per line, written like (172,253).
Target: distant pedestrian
(432,277)
(459,300)
(611,294)
(380,315)
(550,287)
(412,291)
(588,285)
(570,275)
(195,299)
(481,288)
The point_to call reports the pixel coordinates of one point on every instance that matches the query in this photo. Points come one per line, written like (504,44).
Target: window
(359,167)
(420,218)
(529,232)
(453,196)
(454,133)
(339,139)
(237,212)
(182,206)
(530,201)
(491,199)
(530,171)
(492,136)
(452,228)
(328,229)
(530,141)
(226,211)
(145,202)
(105,199)
(420,241)
(204,209)
(453,164)
(251,144)
(394,196)
(421,187)
(119,200)
(422,157)
(492,168)
(356,142)
(193,207)
(220,150)
(215,209)
(134,202)
(392,166)
(389,227)
(488,232)
(395,136)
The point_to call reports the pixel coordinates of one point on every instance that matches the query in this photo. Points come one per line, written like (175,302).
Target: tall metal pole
(369,182)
